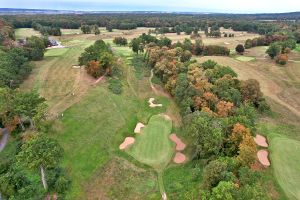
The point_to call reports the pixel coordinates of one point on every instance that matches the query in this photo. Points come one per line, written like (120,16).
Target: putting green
(153,146)
(285,159)
(245,58)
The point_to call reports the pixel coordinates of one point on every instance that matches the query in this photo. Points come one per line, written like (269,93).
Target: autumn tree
(93,68)
(282,59)
(224,108)
(250,90)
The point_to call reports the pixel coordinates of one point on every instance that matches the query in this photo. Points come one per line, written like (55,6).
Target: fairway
(153,146)
(22,33)
(286,163)
(55,52)
(245,58)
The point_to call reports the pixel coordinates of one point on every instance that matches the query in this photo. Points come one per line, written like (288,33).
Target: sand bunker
(138,127)
(167,117)
(261,141)
(179,158)
(127,142)
(227,43)
(263,157)
(153,105)
(179,144)
(76,66)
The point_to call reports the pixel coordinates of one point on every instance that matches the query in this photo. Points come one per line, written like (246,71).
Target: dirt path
(4,139)
(155,90)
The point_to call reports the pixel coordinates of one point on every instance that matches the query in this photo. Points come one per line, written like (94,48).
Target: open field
(153,146)
(22,33)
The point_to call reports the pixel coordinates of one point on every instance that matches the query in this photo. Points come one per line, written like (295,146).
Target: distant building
(53,42)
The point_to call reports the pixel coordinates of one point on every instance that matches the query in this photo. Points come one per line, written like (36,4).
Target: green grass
(245,58)
(285,158)
(22,33)
(298,48)
(153,146)
(55,52)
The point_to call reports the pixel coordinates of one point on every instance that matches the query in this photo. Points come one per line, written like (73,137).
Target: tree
(136,45)
(240,49)
(40,152)
(93,68)
(273,50)
(26,104)
(251,93)
(209,64)
(35,47)
(198,47)
(224,191)
(206,133)
(185,56)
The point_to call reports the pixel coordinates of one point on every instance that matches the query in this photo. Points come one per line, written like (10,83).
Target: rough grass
(245,58)
(70,31)
(153,146)
(183,181)
(22,33)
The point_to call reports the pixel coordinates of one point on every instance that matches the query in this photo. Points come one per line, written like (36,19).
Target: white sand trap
(179,144)
(263,157)
(76,66)
(138,127)
(179,158)
(261,141)
(127,142)
(227,43)
(153,105)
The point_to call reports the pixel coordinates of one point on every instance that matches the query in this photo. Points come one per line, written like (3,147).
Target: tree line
(30,168)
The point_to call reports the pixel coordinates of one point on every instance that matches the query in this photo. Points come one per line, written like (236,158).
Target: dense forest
(133,20)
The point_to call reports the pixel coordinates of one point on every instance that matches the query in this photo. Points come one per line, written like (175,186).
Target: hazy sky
(233,6)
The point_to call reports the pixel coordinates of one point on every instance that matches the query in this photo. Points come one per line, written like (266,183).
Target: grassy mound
(153,146)
(286,162)
(245,58)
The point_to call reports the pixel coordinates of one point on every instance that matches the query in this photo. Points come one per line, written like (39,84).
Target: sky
(225,6)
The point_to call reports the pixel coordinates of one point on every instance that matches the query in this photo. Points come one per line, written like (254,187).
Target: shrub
(282,59)
(215,50)
(115,86)
(240,49)
(120,41)
(209,64)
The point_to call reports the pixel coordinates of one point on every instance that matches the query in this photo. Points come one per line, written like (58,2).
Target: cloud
(236,6)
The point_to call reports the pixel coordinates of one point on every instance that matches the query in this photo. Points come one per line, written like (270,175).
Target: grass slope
(153,146)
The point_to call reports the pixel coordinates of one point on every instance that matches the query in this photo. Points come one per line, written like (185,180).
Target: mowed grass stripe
(285,157)
(153,146)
